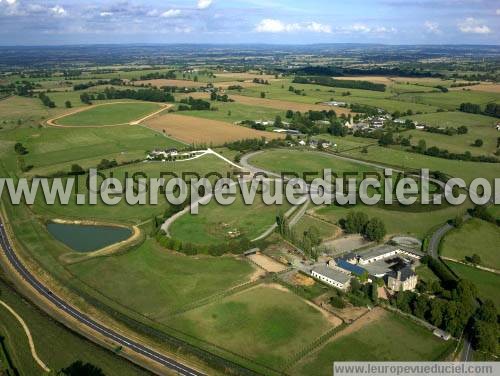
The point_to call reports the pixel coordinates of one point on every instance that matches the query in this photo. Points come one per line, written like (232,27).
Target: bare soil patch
(346,243)
(196,130)
(350,313)
(302,280)
(267,263)
(374,315)
(286,105)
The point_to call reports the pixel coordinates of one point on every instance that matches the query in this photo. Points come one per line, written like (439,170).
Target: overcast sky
(26,22)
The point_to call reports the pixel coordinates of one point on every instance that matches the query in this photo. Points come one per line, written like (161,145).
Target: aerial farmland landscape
(255,188)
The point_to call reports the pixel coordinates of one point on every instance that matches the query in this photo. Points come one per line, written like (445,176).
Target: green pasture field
(23,112)
(53,149)
(426,274)
(326,230)
(405,160)
(232,112)
(265,324)
(474,237)
(375,341)
(495,210)
(159,280)
(60,97)
(213,223)
(110,114)
(318,93)
(452,99)
(397,221)
(299,161)
(487,283)
(454,119)
(123,212)
(55,344)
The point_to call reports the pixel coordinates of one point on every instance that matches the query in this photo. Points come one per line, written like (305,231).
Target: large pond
(87,238)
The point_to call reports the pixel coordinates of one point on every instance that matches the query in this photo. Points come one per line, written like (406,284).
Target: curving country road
(86,320)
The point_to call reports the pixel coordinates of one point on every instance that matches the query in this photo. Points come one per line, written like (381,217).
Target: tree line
(350,84)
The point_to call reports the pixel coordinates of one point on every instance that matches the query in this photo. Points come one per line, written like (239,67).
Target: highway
(86,320)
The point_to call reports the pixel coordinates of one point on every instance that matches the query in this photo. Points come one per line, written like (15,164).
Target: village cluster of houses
(396,266)
(171,154)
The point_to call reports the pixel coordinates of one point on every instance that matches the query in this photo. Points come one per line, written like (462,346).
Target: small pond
(87,238)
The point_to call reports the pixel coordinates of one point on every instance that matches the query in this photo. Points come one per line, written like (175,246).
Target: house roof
(377,251)
(355,269)
(406,272)
(332,274)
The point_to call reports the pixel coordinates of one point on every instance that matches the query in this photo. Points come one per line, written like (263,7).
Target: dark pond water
(87,238)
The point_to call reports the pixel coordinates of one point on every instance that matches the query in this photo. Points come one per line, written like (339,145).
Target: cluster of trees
(307,241)
(254,144)
(364,109)
(434,151)
(348,84)
(400,71)
(482,212)
(170,75)
(260,81)
(79,368)
(357,222)
(193,104)
(296,91)
(220,98)
(149,94)
(450,310)
(86,85)
(46,100)
(449,131)
(454,310)
(234,246)
(491,109)
(20,149)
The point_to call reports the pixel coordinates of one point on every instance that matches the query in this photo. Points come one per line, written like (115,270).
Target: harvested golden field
(164,82)
(487,87)
(286,105)
(195,130)
(374,79)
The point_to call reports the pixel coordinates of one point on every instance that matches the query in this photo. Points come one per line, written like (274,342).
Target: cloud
(105,14)
(204,4)
(497,12)
(58,10)
(362,28)
(270,25)
(473,26)
(10,2)
(171,13)
(432,27)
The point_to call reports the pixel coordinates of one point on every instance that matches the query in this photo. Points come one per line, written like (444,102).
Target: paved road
(86,320)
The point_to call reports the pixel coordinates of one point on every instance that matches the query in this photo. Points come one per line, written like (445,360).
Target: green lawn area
(474,237)
(488,284)
(404,221)
(264,324)
(405,160)
(426,274)
(452,99)
(232,112)
(390,338)
(326,230)
(214,221)
(124,212)
(55,149)
(110,114)
(23,111)
(479,127)
(160,281)
(57,346)
(299,161)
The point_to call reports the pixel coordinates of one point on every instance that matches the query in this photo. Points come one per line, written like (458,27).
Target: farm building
(335,278)
(347,266)
(383,252)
